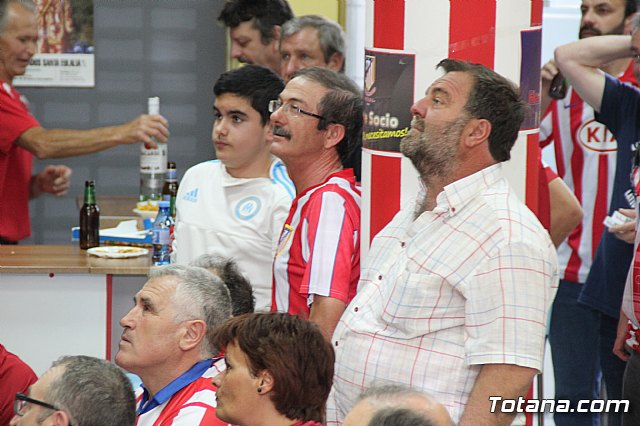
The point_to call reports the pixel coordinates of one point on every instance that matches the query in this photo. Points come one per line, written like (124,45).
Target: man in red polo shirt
(21,136)
(15,376)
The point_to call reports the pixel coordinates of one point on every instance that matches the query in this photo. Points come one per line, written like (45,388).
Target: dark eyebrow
(440,91)
(296,100)
(146,301)
(238,112)
(233,111)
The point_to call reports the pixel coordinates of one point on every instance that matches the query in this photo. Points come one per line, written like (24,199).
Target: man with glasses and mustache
(593,263)
(457,287)
(317,123)
(77,390)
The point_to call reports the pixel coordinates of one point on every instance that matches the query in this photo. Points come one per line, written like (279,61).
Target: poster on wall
(531,45)
(65,51)
(389,77)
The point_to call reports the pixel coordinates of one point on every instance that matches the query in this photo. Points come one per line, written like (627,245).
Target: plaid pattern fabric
(466,284)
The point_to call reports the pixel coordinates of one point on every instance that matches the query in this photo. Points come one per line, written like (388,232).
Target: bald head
(399,402)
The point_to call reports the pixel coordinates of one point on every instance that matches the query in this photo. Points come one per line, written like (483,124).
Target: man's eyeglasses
(293,110)
(22,400)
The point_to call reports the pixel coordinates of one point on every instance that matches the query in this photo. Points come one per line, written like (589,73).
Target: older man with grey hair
(78,390)
(22,136)
(315,41)
(165,343)
(311,41)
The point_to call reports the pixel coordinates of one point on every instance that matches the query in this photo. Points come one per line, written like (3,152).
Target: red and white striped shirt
(585,152)
(194,404)
(319,247)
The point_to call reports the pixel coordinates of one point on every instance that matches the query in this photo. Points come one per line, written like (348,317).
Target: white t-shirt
(236,218)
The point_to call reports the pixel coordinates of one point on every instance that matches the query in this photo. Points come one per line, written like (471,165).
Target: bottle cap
(162,204)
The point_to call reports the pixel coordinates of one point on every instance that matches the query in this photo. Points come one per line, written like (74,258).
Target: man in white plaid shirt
(454,296)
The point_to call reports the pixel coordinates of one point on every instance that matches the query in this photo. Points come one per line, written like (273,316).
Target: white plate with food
(146,214)
(117,252)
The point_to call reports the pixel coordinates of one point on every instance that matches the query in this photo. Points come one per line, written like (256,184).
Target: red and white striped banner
(482,31)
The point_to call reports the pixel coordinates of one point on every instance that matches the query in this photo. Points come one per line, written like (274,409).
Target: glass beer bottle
(170,189)
(89,218)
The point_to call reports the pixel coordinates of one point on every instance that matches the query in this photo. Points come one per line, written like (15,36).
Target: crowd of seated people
(266,317)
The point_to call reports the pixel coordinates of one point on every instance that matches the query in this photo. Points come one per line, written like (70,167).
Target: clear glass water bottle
(153,163)
(162,235)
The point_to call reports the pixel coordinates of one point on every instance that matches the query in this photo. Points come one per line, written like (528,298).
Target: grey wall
(173,49)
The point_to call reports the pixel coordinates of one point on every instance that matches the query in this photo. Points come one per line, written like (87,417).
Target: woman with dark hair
(279,371)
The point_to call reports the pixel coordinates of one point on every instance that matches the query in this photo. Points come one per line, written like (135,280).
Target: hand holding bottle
(548,72)
(551,85)
(148,129)
(153,161)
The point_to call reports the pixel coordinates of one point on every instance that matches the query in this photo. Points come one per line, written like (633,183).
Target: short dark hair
(495,99)
(242,300)
(257,84)
(293,351)
(630,7)
(391,416)
(342,104)
(267,14)
(330,34)
(92,391)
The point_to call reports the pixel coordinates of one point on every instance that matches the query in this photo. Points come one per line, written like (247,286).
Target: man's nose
(236,51)
(291,66)
(419,108)
(588,17)
(126,320)
(15,420)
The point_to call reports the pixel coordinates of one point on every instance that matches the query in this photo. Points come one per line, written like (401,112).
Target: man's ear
(266,381)
(476,132)
(59,418)
(628,24)
(336,62)
(334,133)
(276,32)
(192,334)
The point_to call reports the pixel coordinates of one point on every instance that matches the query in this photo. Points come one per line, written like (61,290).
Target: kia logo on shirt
(596,137)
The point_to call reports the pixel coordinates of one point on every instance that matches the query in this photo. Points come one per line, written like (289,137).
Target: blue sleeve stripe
(280,177)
